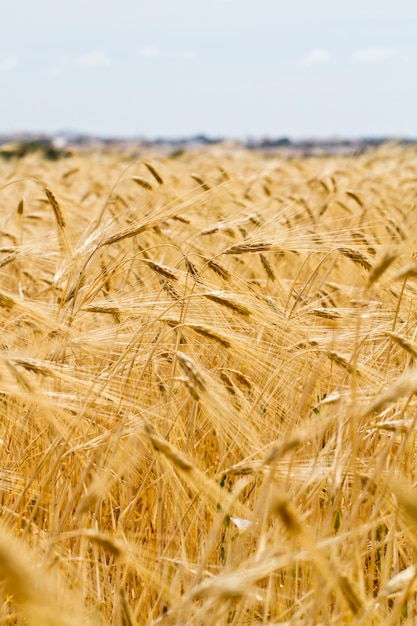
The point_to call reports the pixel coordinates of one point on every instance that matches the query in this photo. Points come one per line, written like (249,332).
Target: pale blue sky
(237,68)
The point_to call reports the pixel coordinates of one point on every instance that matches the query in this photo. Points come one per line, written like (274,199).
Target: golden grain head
(354,196)
(210,333)
(404,386)
(192,370)
(407,345)
(230,302)
(109,544)
(154,172)
(219,269)
(381,266)
(55,205)
(356,256)
(142,182)
(200,181)
(249,246)
(163,270)
(168,450)
(285,511)
(409,271)
(342,361)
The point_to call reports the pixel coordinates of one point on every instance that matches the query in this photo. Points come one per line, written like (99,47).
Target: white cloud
(7,62)
(153,52)
(371,55)
(150,51)
(95,58)
(182,54)
(54,71)
(317,55)
(185,54)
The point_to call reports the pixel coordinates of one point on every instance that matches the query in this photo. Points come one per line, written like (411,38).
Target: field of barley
(208,389)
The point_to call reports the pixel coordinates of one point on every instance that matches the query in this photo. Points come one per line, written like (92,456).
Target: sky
(223,68)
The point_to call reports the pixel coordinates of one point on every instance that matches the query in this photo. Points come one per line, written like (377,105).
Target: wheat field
(208,389)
